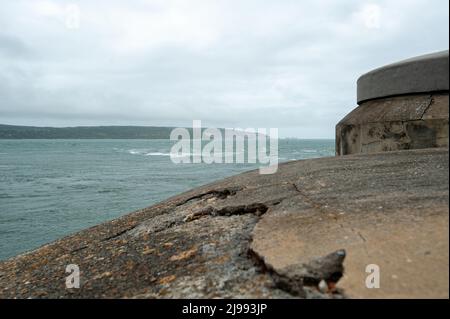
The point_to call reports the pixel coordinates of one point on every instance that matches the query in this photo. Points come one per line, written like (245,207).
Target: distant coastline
(84,132)
(19,132)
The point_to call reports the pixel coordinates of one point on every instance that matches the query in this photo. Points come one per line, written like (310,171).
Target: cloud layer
(289,64)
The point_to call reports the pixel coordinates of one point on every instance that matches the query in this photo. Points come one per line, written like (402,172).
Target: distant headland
(101,132)
(84,132)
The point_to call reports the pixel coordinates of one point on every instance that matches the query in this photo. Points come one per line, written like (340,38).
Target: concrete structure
(401,106)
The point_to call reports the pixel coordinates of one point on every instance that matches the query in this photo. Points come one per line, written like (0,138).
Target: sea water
(51,188)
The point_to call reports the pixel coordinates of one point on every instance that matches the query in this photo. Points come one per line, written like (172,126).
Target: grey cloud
(286,64)
(12,47)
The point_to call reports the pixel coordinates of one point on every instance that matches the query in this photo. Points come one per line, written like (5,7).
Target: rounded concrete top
(422,74)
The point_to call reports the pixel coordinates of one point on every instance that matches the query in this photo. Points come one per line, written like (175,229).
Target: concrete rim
(421,74)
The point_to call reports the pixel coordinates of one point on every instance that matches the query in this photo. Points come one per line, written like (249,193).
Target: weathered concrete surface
(390,210)
(396,123)
(291,234)
(423,74)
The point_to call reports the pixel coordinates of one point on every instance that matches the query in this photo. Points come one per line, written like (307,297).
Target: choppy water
(51,188)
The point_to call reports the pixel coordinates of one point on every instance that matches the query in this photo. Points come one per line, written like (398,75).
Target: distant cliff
(85,132)
(96,132)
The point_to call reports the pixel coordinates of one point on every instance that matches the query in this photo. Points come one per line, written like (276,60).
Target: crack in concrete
(220,194)
(119,233)
(295,278)
(78,249)
(430,103)
(257,209)
(292,281)
(316,205)
(333,215)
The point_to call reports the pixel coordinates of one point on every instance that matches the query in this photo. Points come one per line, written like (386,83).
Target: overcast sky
(244,63)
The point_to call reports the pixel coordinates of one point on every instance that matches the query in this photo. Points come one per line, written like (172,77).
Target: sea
(52,188)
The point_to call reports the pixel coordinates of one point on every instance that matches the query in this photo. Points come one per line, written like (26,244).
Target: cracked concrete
(430,103)
(307,231)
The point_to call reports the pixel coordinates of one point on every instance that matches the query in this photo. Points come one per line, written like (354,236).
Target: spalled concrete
(307,231)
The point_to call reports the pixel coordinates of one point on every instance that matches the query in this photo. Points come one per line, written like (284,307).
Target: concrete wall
(402,106)
(397,123)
